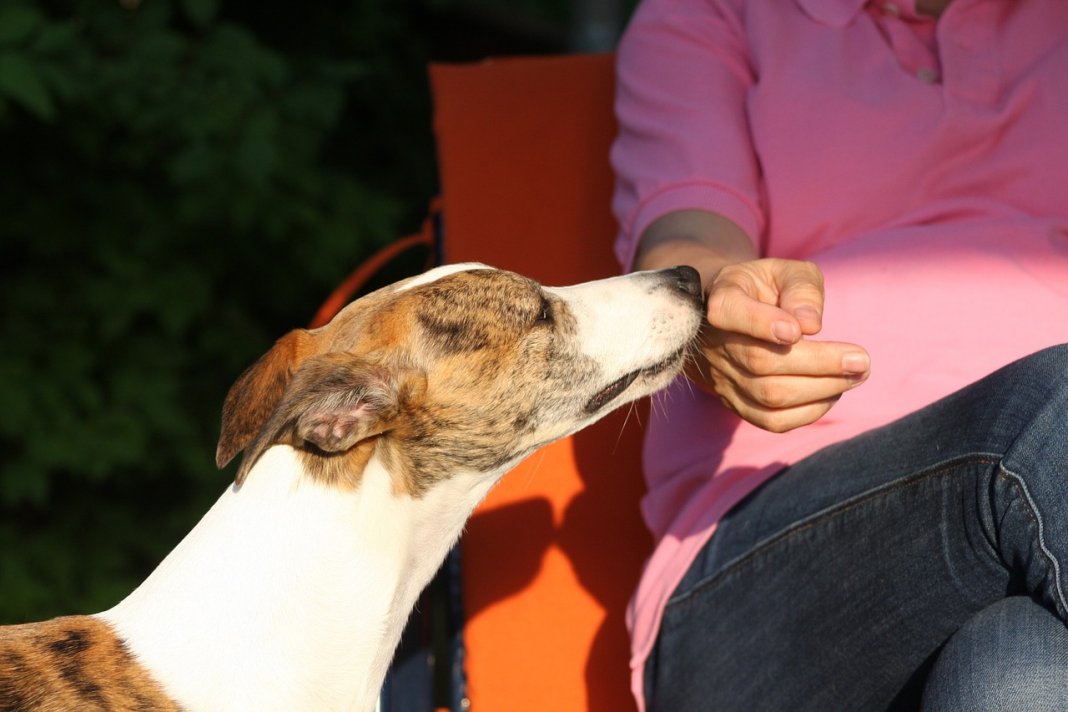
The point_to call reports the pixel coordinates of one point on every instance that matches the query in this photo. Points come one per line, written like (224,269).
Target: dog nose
(687,279)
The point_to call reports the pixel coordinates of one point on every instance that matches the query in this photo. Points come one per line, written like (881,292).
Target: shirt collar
(836,13)
(839,13)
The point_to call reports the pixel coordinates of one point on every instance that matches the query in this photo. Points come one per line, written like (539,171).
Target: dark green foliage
(178,187)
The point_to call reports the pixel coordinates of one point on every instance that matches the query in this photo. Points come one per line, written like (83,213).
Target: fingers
(754,358)
(775,387)
(781,403)
(754,353)
(780,420)
(801,295)
(774,300)
(732,309)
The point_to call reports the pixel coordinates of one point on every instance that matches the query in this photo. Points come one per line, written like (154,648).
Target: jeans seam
(848,505)
(1036,516)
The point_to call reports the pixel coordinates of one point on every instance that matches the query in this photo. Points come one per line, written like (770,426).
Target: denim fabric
(1010,657)
(844,581)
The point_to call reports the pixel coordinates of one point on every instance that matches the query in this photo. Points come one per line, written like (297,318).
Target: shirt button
(927,75)
(891,8)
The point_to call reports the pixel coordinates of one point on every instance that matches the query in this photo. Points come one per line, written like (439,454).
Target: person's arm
(754,352)
(704,240)
(684,74)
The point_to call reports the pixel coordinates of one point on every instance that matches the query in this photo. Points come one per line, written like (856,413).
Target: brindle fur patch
(496,375)
(470,311)
(492,367)
(73,663)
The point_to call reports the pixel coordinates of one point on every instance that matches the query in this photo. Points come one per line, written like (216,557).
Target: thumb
(744,298)
(800,286)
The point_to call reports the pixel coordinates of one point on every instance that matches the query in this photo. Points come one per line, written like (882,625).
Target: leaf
(20,82)
(17,23)
(345,71)
(56,37)
(201,12)
(256,154)
(192,164)
(23,483)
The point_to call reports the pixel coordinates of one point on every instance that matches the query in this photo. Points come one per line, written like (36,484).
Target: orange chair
(551,557)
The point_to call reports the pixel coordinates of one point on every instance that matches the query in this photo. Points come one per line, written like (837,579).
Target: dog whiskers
(632,409)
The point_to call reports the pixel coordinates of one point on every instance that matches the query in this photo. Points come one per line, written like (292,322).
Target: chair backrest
(551,557)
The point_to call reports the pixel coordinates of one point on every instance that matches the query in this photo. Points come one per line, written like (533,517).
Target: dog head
(464,368)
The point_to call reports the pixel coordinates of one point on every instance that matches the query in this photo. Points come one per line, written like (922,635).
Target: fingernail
(856,362)
(807,312)
(785,331)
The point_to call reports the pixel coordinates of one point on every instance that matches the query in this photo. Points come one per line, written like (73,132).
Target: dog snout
(687,280)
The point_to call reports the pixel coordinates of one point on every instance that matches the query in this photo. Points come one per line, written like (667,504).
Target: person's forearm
(706,241)
(762,314)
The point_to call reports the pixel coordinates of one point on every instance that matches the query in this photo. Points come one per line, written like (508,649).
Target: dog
(367,444)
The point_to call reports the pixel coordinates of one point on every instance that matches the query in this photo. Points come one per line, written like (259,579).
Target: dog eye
(545,312)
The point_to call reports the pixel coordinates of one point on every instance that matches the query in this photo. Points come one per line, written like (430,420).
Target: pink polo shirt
(923,166)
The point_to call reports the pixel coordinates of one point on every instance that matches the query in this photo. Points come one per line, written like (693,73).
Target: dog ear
(334,401)
(255,395)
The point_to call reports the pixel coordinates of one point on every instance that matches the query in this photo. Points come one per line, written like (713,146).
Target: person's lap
(838,583)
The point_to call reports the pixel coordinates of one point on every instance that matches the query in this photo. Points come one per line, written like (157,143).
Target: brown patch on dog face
(498,353)
(73,663)
(457,373)
(474,311)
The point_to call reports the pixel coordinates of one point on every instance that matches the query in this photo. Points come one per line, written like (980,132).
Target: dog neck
(290,594)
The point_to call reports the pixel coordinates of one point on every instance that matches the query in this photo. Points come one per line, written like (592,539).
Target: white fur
(439,272)
(622,322)
(289,595)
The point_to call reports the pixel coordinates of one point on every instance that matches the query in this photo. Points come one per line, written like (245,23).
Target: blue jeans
(918,566)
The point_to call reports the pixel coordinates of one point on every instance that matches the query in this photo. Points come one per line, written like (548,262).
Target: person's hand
(754,352)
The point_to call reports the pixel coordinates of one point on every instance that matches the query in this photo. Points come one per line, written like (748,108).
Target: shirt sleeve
(683,73)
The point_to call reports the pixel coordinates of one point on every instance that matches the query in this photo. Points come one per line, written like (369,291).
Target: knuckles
(770,393)
(754,359)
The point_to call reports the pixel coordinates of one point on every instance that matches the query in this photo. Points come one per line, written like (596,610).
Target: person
(859,497)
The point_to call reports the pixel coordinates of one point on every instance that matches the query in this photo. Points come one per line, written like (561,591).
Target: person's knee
(1042,375)
(1048,367)
(1010,656)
